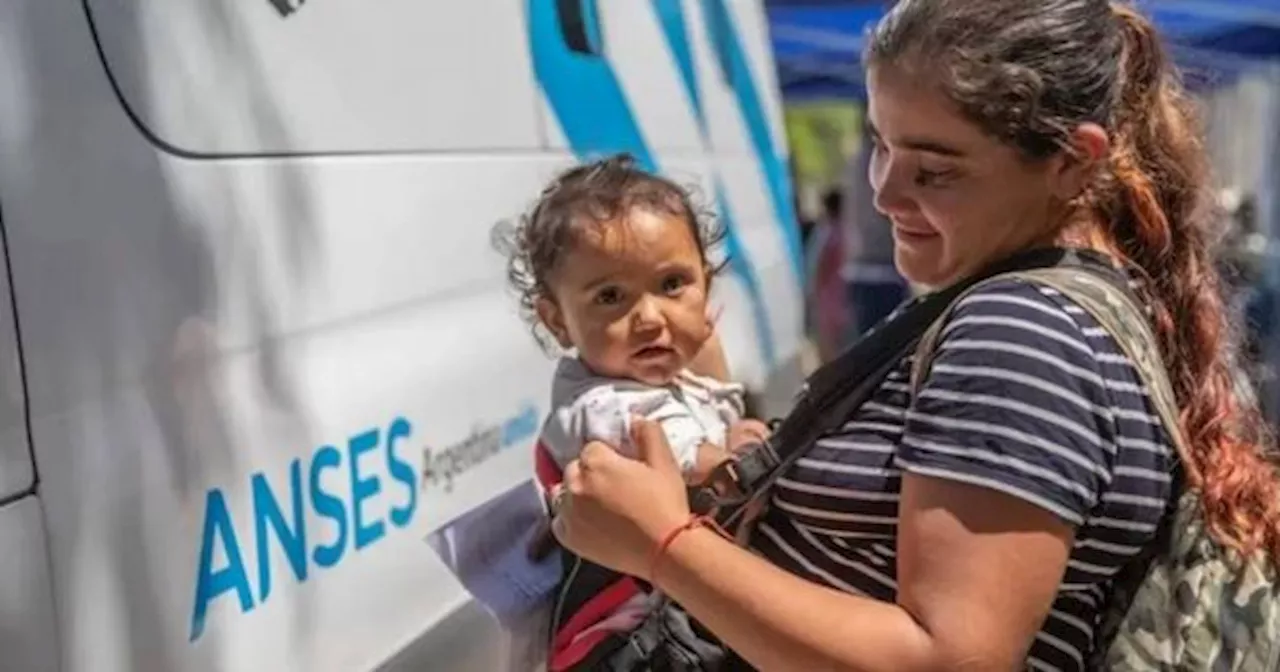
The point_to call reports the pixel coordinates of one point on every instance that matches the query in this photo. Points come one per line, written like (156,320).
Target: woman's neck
(1086,232)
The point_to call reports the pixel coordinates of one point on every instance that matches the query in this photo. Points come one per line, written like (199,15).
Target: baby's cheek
(693,325)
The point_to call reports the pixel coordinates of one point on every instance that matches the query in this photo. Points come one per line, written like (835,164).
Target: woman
(977,526)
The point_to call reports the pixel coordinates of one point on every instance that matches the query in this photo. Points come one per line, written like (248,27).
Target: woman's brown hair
(1029,73)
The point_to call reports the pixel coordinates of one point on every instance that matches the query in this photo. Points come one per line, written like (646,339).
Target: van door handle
(580,26)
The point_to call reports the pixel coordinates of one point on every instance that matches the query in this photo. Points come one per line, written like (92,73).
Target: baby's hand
(744,433)
(710,456)
(740,435)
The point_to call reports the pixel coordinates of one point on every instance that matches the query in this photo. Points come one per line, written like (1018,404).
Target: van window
(262,77)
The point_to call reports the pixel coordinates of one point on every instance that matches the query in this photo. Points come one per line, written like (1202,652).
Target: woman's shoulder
(1027,393)
(1027,335)
(1031,293)
(1021,310)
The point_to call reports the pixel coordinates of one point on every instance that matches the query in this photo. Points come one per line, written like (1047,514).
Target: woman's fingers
(652,446)
(572,479)
(610,508)
(595,456)
(559,496)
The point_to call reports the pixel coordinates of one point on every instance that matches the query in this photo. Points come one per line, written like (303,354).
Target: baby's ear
(714,313)
(552,318)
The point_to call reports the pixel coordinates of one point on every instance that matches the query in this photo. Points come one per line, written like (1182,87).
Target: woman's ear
(1087,152)
(552,318)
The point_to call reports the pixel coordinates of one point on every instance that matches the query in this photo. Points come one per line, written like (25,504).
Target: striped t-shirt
(1027,395)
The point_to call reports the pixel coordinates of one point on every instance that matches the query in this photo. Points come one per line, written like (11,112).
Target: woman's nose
(889,183)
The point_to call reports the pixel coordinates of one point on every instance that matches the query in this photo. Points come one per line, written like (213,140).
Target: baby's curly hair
(586,195)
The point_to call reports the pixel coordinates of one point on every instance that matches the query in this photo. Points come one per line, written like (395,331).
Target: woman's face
(958,198)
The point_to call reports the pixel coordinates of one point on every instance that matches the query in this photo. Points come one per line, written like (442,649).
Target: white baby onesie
(586,407)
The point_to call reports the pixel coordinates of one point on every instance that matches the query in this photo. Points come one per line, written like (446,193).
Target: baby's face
(631,296)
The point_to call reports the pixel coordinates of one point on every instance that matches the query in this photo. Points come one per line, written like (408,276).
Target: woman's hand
(613,510)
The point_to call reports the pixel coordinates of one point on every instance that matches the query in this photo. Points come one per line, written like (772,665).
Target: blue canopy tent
(817,43)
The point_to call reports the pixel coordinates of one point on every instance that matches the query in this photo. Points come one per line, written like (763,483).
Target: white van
(255,346)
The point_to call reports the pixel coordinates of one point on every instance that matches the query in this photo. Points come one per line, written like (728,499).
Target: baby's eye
(608,296)
(672,284)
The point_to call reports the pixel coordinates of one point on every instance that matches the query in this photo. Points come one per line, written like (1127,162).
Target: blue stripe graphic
(586,98)
(582,89)
(733,59)
(676,31)
(740,265)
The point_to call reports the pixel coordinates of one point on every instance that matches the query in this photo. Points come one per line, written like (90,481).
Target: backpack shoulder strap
(1119,313)
(1116,311)
(927,346)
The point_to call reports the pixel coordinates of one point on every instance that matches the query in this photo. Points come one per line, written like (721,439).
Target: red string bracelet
(670,537)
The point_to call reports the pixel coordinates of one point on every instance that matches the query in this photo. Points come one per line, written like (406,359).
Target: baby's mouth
(651,352)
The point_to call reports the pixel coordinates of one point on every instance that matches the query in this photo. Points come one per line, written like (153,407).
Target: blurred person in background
(873,286)
(825,297)
(1242,263)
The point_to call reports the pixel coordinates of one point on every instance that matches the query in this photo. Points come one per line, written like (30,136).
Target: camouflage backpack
(1187,604)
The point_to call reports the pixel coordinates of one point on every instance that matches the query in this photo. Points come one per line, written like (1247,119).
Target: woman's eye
(931,178)
(609,296)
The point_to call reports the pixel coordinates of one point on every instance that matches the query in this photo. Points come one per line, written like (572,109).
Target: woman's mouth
(909,234)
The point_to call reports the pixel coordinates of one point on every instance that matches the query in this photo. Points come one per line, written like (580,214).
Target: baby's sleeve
(603,414)
(730,403)
(684,433)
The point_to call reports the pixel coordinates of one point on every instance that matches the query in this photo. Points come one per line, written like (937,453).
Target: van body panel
(227,77)
(17,472)
(268,344)
(28,636)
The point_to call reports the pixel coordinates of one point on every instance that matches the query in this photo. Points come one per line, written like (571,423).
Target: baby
(612,262)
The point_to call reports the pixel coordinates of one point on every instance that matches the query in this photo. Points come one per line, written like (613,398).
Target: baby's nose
(648,313)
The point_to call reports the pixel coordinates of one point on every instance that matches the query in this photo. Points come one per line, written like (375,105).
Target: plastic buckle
(753,465)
